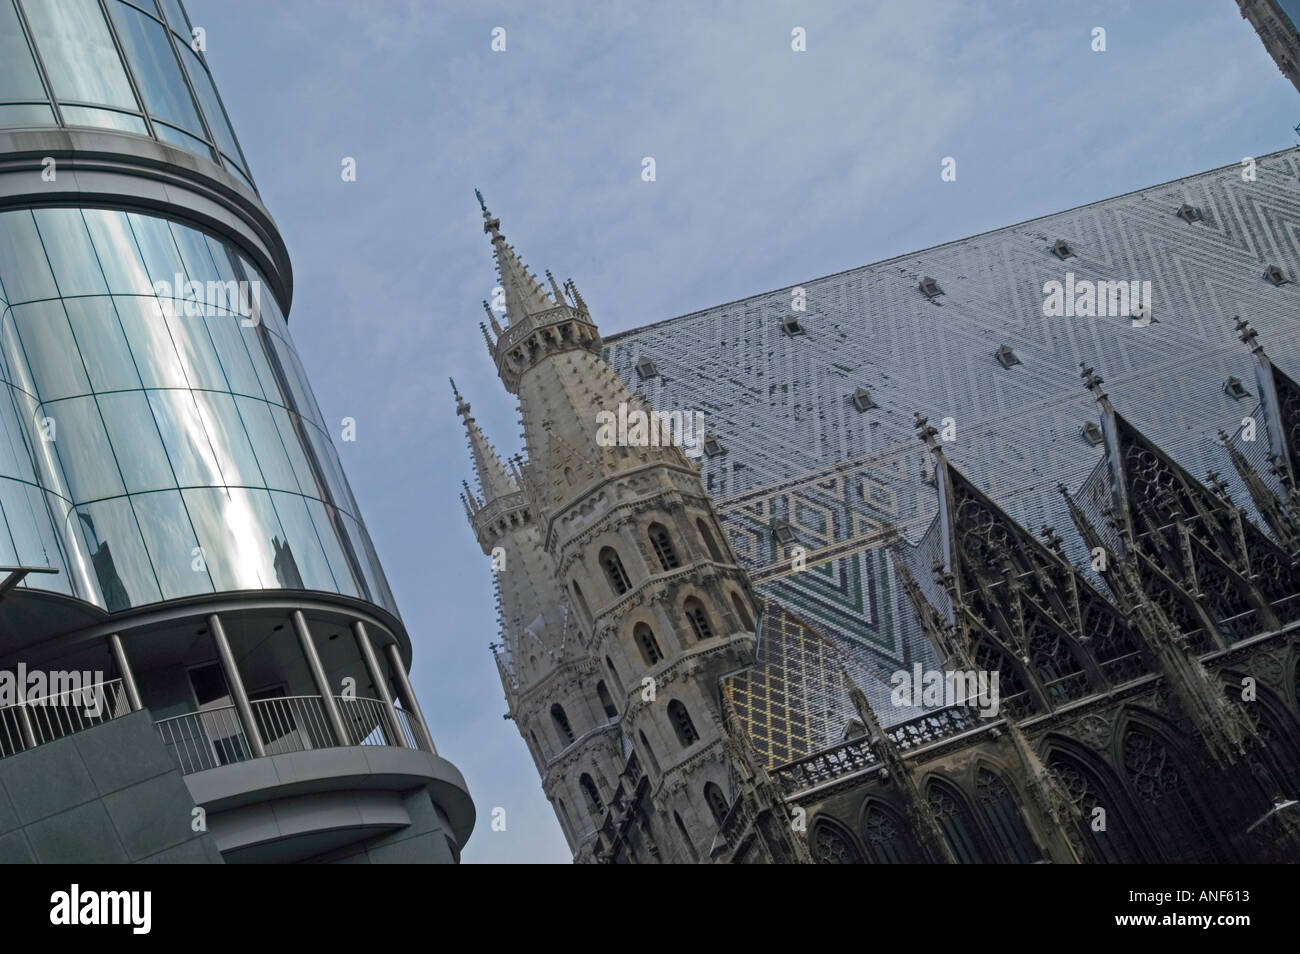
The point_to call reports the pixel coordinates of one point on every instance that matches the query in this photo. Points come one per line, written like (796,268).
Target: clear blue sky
(774,167)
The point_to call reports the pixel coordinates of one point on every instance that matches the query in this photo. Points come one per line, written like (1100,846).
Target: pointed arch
(1156,771)
(710,544)
(958,823)
(644,638)
(613,675)
(615,574)
(563,728)
(698,618)
(592,794)
(1018,694)
(834,844)
(717,801)
(606,701)
(888,838)
(1002,814)
(1279,736)
(583,608)
(662,544)
(1091,785)
(649,753)
(686,838)
(682,723)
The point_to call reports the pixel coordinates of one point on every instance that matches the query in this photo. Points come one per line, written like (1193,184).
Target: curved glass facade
(158,438)
(133,71)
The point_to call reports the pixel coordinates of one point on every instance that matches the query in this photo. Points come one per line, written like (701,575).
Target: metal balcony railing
(43,719)
(214,737)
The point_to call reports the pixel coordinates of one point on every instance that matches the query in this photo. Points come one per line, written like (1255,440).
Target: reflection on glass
(180,564)
(78,52)
(68,247)
(18,76)
(153,63)
(103,119)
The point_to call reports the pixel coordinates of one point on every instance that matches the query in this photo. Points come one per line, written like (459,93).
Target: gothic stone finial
(1248,335)
(1092,380)
(924,431)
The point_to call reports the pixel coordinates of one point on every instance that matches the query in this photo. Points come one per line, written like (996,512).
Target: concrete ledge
(355,769)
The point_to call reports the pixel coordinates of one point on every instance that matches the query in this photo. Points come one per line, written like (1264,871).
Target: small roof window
(930,287)
(1189,213)
(791,326)
(1006,357)
(1276,275)
(712,447)
(783,532)
(862,400)
(1091,433)
(645,369)
(1235,389)
(1062,249)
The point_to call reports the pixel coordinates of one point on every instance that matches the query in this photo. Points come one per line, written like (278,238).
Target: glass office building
(173,513)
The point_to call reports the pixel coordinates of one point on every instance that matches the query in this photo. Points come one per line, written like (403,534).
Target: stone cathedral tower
(622,606)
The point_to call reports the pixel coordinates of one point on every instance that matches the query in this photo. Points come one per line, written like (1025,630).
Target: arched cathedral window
(699,619)
(614,572)
(613,674)
(1161,783)
(646,642)
(649,753)
(717,801)
(606,702)
(582,603)
(663,546)
(709,543)
(682,724)
(1003,816)
(589,789)
(1097,804)
(742,613)
(562,726)
(686,837)
(889,841)
(832,845)
(958,824)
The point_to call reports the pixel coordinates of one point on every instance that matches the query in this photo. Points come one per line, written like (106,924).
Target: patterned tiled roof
(799,450)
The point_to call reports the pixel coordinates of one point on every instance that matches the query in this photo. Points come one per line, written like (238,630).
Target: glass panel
(15,459)
(236,528)
(253,336)
(102,344)
(161,257)
(329,538)
(233,167)
(18,76)
(103,119)
(153,62)
(293,447)
(151,342)
(207,93)
(303,546)
(23,268)
(185,438)
(198,357)
(233,355)
(176,17)
(134,436)
(117,554)
(83,449)
(20,522)
(68,247)
(170,541)
(333,471)
(80,58)
(119,256)
(171,134)
(15,116)
(50,511)
(47,343)
(276,469)
(17,370)
(229,442)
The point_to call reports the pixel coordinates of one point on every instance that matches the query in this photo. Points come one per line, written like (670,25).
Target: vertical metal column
(318,676)
(409,702)
(236,686)
(381,684)
(124,667)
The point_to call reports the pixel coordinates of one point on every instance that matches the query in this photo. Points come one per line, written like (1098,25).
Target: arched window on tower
(1093,794)
(582,604)
(592,793)
(541,756)
(663,546)
(709,543)
(562,727)
(958,824)
(832,845)
(613,674)
(649,753)
(564,813)
(614,572)
(646,642)
(742,613)
(682,724)
(717,801)
(699,619)
(1003,815)
(611,713)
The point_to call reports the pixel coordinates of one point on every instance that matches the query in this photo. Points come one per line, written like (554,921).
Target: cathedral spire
(524,295)
(493,479)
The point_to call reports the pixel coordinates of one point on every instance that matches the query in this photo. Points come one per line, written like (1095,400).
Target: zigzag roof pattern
(798,450)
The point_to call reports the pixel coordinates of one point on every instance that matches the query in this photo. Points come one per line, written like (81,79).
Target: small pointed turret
(524,294)
(493,479)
